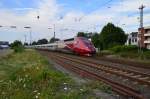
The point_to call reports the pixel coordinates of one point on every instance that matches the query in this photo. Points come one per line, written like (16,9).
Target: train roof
(71,39)
(46,44)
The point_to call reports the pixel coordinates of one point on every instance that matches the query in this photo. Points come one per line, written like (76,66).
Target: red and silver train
(77,45)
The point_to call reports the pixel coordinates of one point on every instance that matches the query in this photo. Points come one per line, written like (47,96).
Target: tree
(17,46)
(95,40)
(16,43)
(112,35)
(52,40)
(34,43)
(81,34)
(26,44)
(42,41)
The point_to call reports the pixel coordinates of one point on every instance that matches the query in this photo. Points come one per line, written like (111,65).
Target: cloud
(68,23)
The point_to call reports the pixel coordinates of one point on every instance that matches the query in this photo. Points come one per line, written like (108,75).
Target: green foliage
(130,51)
(42,41)
(111,36)
(147,54)
(34,43)
(123,48)
(28,75)
(52,40)
(81,34)
(96,40)
(17,46)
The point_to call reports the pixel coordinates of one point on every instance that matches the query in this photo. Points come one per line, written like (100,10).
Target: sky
(68,16)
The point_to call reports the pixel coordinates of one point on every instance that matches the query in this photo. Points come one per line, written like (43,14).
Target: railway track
(140,77)
(122,61)
(91,69)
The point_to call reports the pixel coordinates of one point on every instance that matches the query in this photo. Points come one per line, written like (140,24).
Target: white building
(132,39)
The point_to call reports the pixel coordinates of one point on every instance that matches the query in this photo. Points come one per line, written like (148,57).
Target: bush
(18,49)
(17,46)
(147,54)
(123,48)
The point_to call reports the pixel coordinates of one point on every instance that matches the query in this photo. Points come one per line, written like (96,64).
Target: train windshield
(86,42)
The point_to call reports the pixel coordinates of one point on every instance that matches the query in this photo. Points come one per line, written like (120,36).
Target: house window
(135,39)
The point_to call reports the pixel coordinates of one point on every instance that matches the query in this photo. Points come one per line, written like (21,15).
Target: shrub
(19,48)
(123,48)
(147,54)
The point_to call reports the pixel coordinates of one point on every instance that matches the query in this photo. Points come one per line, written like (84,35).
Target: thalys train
(77,45)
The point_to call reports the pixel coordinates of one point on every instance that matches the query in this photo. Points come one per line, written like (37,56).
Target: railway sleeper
(144,78)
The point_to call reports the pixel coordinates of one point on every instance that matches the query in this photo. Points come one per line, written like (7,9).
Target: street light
(28,27)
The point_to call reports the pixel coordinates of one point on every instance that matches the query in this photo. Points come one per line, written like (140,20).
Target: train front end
(84,46)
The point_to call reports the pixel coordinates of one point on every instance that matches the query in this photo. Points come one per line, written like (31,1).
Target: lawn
(28,75)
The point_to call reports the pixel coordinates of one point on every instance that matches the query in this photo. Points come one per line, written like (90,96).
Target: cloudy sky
(69,17)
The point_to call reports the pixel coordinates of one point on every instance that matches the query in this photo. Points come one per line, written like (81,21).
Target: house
(132,39)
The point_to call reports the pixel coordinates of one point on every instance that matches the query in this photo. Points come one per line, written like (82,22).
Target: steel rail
(123,69)
(112,71)
(122,89)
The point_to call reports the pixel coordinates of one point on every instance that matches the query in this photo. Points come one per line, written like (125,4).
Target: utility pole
(141,35)
(30,36)
(141,15)
(25,38)
(54,31)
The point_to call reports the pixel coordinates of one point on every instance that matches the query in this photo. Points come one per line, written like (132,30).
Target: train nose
(90,49)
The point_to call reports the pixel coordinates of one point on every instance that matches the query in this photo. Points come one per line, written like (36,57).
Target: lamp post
(30,32)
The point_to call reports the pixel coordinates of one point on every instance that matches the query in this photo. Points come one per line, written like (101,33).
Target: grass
(28,75)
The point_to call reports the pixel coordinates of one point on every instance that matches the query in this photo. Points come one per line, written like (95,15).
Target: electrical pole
(25,38)
(30,36)
(141,15)
(54,31)
(141,35)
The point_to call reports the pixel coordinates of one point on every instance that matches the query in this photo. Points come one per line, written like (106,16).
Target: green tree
(81,34)
(26,44)
(42,41)
(52,40)
(95,40)
(34,43)
(17,46)
(112,35)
